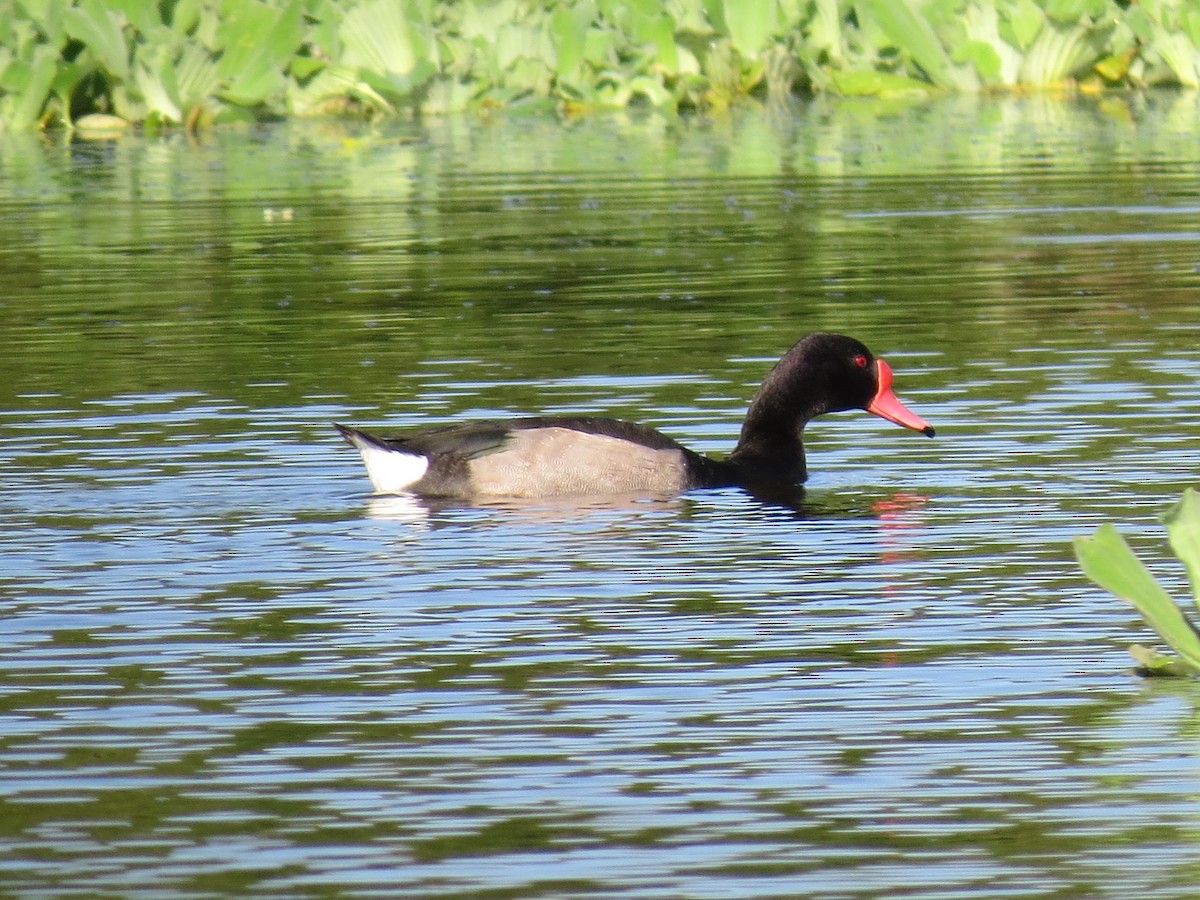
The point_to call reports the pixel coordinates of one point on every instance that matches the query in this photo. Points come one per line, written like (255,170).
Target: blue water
(228,669)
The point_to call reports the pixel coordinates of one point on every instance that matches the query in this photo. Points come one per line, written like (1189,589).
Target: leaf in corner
(1183,531)
(1107,560)
(1154,665)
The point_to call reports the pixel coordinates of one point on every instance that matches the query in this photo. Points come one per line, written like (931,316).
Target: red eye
(860,361)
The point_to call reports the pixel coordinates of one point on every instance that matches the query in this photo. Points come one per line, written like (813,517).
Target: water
(228,669)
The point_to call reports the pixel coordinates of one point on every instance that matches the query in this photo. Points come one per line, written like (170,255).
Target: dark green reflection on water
(402,246)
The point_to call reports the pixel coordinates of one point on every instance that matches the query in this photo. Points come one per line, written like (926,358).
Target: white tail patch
(391,471)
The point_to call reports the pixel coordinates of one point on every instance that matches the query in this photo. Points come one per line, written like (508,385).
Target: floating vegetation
(194,62)
(1108,561)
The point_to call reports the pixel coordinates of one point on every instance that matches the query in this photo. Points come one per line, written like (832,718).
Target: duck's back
(534,457)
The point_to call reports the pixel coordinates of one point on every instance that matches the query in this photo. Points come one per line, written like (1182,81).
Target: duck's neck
(763,456)
(771,445)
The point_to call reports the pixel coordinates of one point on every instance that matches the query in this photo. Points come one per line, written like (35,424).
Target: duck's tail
(391,468)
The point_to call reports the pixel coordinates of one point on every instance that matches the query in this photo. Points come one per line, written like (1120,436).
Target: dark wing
(466,441)
(470,440)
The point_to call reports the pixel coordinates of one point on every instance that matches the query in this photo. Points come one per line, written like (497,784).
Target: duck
(562,456)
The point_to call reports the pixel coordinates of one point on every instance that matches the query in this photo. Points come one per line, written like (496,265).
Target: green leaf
(1107,560)
(715,10)
(1181,56)
(186,15)
(330,83)
(31,84)
(1026,21)
(1156,664)
(141,15)
(379,38)
(1137,21)
(825,30)
(196,76)
(1074,12)
(322,33)
(600,48)
(983,56)
(913,35)
(528,74)
(305,67)
(1059,52)
(750,23)
(259,42)
(569,27)
(155,79)
(1189,19)
(398,87)
(101,31)
(516,41)
(1113,68)
(48,17)
(661,32)
(67,78)
(864,83)
(483,21)
(127,102)
(651,89)
(1183,532)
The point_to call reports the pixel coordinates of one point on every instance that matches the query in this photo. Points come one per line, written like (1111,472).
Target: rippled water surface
(228,669)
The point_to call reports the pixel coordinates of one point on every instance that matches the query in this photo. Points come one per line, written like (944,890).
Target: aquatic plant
(194,61)
(1107,560)
(159,63)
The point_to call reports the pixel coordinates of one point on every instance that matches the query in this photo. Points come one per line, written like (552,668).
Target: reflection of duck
(560,456)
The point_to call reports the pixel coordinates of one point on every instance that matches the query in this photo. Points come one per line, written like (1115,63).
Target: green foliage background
(192,62)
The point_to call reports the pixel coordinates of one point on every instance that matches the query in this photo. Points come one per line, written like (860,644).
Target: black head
(823,373)
(839,370)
